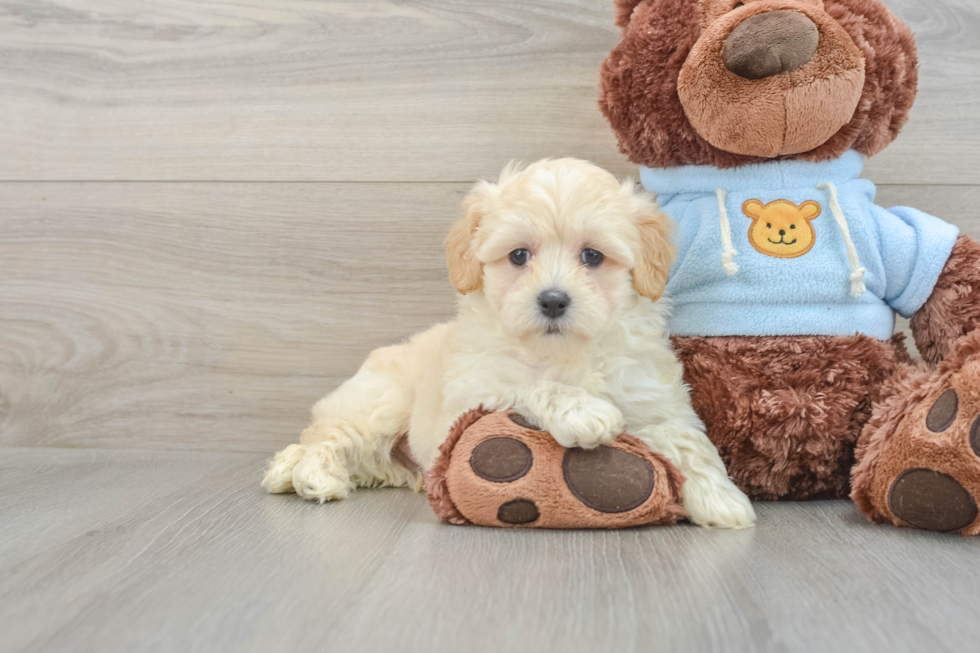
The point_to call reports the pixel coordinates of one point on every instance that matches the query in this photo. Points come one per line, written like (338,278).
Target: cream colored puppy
(559,267)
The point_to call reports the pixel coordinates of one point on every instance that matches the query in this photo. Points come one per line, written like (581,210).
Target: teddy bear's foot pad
(924,462)
(925,498)
(498,469)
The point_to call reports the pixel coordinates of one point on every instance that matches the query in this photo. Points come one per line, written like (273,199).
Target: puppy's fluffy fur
(603,366)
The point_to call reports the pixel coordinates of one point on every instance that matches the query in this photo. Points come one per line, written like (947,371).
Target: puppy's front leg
(710,496)
(571,415)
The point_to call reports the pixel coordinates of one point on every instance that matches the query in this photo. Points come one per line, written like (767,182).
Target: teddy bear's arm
(953,308)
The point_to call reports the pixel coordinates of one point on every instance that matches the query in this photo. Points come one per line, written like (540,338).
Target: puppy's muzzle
(553,303)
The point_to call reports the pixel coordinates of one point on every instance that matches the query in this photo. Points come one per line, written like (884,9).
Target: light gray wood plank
(52,495)
(204,315)
(371,90)
(212,316)
(202,560)
(810,577)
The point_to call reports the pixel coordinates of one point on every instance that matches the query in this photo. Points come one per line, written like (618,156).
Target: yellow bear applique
(781,228)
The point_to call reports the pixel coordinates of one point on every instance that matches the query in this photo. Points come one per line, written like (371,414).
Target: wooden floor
(211,211)
(118,550)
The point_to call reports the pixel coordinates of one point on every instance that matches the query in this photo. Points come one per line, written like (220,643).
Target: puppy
(560,268)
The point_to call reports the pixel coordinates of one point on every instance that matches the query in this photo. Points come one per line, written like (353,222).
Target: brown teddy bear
(751,120)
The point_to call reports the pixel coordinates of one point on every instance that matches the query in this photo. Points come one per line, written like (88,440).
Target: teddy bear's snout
(770,43)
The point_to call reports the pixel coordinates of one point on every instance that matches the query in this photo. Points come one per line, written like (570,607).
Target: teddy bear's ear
(465,271)
(753,208)
(656,252)
(624,11)
(809,210)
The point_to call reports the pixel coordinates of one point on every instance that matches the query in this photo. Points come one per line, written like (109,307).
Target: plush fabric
(951,311)
(770,43)
(559,488)
(781,114)
(800,292)
(900,440)
(436,484)
(785,413)
(624,9)
(639,83)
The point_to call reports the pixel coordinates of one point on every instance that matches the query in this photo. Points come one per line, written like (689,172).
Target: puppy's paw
(320,476)
(279,474)
(586,422)
(718,504)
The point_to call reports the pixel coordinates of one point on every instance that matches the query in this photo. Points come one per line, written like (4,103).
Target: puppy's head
(558,247)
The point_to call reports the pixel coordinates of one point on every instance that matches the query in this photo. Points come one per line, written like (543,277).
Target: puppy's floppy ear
(465,271)
(656,252)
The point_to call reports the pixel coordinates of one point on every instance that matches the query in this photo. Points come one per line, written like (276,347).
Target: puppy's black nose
(553,303)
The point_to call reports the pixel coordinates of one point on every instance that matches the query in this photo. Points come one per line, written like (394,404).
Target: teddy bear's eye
(792,226)
(768,225)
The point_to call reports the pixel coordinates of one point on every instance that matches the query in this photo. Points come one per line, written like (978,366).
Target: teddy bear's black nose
(782,232)
(770,43)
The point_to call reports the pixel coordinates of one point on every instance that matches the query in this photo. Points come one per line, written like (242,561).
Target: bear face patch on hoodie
(794,248)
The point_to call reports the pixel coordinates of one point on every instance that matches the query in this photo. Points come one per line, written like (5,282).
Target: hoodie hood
(772,175)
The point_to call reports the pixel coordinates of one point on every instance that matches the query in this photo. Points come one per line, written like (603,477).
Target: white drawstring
(729,251)
(857,272)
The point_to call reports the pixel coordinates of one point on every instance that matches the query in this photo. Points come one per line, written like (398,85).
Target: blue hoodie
(794,248)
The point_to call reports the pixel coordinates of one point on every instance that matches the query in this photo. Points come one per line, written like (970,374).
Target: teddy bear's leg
(786,412)
(918,460)
(498,469)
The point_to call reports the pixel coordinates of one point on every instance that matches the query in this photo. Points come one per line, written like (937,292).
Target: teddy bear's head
(730,82)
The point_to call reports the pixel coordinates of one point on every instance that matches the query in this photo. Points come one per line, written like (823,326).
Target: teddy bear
(751,120)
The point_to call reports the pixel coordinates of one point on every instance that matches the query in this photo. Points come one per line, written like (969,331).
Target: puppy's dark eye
(519,257)
(592,258)
(738,4)
(768,225)
(792,226)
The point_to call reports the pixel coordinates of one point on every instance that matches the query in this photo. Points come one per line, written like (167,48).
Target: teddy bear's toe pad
(518,511)
(499,469)
(928,499)
(608,480)
(501,460)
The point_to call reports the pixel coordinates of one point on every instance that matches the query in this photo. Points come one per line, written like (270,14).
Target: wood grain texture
(170,334)
(164,551)
(373,90)
(212,316)
(204,315)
